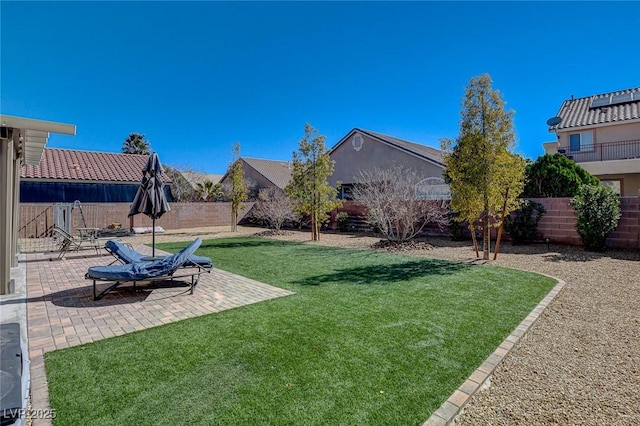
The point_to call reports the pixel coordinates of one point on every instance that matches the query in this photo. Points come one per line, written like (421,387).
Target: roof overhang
(376,138)
(34,134)
(556,129)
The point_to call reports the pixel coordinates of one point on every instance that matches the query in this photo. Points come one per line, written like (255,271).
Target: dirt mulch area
(578,364)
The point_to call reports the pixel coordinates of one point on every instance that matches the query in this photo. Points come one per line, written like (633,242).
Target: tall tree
(485,176)
(136,144)
(237,191)
(309,188)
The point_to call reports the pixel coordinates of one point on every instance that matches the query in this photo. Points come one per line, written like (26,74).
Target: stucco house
(262,174)
(22,142)
(602,134)
(363,149)
(67,175)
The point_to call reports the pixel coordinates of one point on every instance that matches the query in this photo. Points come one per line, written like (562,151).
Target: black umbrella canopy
(150,199)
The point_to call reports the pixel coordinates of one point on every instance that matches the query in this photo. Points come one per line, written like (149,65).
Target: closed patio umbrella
(150,198)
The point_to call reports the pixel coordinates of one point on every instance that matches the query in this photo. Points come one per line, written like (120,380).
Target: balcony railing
(603,151)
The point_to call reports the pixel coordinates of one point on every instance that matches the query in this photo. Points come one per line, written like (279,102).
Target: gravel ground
(579,364)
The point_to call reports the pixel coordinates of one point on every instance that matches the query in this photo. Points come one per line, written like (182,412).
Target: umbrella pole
(153,238)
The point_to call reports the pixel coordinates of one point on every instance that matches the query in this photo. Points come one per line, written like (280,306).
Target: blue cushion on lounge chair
(144,270)
(128,255)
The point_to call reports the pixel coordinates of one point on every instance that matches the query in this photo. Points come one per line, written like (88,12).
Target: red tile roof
(68,164)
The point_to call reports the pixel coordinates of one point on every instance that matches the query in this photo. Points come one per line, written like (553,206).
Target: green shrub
(343,221)
(522,224)
(598,211)
(375,226)
(456,228)
(555,175)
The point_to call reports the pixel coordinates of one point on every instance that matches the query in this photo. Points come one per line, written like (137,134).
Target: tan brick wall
(557,224)
(39,216)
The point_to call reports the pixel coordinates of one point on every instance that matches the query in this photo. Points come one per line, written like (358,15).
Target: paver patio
(61,311)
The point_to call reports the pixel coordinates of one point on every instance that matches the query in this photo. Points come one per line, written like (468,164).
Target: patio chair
(159,270)
(66,241)
(126,254)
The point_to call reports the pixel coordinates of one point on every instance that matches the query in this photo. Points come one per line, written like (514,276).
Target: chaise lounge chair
(159,270)
(125,254)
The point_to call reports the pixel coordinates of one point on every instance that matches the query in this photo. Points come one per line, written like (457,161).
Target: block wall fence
(101,215)
(558,224)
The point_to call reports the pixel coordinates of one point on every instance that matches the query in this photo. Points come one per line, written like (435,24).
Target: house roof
(428,153)
(194,178)
(603,109)
(277,172)
(68,164)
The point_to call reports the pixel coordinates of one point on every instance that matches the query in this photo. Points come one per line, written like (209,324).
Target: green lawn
(368,339)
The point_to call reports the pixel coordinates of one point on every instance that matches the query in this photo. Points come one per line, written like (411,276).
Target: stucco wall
(348,161)
(614,133)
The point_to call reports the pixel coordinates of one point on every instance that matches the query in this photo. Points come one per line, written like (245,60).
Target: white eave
(35,134)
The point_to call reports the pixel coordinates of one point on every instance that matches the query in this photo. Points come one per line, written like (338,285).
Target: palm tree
(209,190)
(136,144)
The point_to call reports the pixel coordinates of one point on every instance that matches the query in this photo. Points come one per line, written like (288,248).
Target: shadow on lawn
(387,274)
(244,243)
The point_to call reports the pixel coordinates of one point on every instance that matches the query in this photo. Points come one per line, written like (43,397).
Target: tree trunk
(475,241)
(313,227)
(504,213)
(487,233)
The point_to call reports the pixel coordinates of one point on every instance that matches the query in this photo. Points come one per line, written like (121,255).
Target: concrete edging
(450,409)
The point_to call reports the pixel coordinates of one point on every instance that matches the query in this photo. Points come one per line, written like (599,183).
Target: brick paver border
(446,414)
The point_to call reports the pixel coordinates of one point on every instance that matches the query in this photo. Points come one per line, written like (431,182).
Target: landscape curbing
(454,405)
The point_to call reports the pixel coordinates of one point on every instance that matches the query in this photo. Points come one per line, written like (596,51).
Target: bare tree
(274,208)
(182,183)
(392,204)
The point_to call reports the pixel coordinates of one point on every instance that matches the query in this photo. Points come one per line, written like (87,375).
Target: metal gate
(35,232)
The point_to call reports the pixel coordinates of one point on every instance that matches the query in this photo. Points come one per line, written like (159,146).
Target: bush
(343,221)
(598,211)
(273,208)
(456,228)
(522,224)
(554,175)
(389,195)
(375,226)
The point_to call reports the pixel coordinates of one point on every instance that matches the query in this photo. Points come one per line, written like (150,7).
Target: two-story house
(602,134)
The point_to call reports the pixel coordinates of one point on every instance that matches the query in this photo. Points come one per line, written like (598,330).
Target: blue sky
(196,77)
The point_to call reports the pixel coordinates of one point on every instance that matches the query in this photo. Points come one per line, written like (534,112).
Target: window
(346,192)
(357,142)
(581,141)
(614,184)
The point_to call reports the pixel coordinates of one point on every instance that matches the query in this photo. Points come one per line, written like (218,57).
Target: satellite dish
(553,121)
